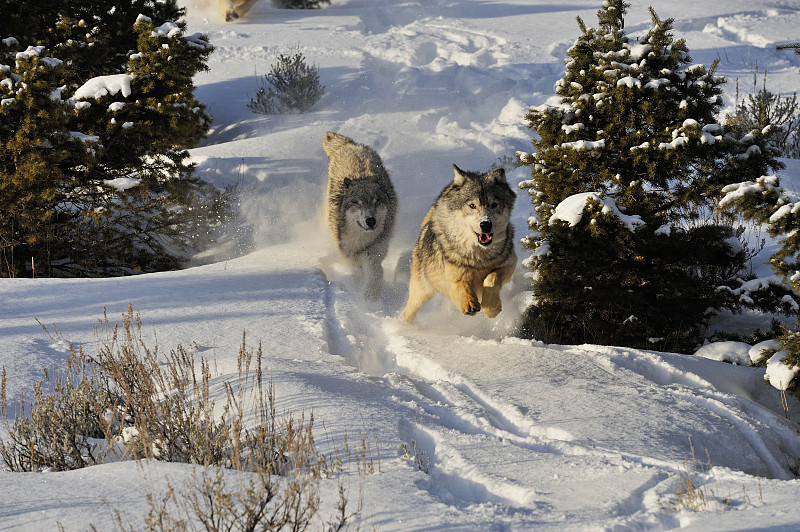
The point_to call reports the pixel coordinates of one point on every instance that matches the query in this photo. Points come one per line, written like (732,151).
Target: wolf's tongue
(485,238)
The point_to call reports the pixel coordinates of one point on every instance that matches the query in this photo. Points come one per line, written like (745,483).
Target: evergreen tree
(635,157)
(762,109)
(97,113)
(764,201)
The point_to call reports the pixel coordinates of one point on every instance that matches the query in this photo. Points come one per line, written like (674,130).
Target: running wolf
(360,207)
(465,249)
(233,9)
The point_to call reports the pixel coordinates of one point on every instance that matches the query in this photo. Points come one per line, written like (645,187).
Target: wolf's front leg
(465,298)
(373,280)
(420,291)
(490,298)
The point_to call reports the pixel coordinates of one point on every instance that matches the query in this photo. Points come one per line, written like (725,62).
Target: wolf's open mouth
(485,238)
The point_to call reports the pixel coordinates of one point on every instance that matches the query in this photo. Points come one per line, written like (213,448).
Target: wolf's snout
(485,236)
(371,222)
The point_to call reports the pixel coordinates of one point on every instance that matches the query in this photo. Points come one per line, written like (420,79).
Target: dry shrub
(64,426)
(694,493)
(132,401)
(291,85)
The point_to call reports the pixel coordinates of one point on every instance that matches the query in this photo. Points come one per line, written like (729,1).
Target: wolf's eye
(472,206)
(494,205)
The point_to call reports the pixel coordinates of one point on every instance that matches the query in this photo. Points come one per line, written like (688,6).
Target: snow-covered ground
(520,435)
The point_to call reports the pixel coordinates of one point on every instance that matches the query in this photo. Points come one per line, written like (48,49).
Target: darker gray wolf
(360,207)
(465,249)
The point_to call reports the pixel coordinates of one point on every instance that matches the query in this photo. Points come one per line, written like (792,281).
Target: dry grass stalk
(693,491)
(415,453)
(785,403)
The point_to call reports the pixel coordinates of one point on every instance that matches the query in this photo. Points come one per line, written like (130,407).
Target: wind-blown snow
(521,435)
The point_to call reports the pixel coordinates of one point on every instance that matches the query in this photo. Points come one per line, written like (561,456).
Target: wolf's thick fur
(360,207)
(465,249)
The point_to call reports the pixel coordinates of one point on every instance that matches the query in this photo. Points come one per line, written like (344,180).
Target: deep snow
(520,435)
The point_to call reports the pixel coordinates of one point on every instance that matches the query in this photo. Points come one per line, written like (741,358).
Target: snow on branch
(778,373)
(122,183)
(571,210)
(763,186)
(168,29)
(582,145)
(198,40)
(101,86)
(36,51)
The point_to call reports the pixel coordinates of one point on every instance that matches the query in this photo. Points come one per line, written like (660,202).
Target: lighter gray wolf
(360,207)
(465,249)
(233,9)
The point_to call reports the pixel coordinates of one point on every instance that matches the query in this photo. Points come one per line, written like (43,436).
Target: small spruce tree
(97,113)
(762,109)
(628,246)
(765,201)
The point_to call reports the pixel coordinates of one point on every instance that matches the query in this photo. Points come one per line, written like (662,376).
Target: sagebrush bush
(131,401)
(64,427)
(211,501)
(291,85)
(145,409)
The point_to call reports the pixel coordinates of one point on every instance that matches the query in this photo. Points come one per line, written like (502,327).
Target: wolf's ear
(458,176)
(498,175)
(333,141)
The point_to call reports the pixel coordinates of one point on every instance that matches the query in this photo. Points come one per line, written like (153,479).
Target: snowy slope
(520,435)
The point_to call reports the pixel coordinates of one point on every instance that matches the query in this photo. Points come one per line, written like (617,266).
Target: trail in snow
(533,448)
(458,426)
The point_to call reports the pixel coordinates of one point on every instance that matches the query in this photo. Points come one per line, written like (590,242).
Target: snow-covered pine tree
(627,245)
(35,153)
(93,164)
(765,201)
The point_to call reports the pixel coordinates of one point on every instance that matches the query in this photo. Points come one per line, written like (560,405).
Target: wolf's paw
(471,307)
(492,312)
(491,303)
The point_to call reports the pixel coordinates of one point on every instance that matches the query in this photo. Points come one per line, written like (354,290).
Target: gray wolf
(233,9)
(360,207)
(465,249)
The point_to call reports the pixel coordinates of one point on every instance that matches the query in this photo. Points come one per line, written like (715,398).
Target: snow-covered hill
(520,435)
